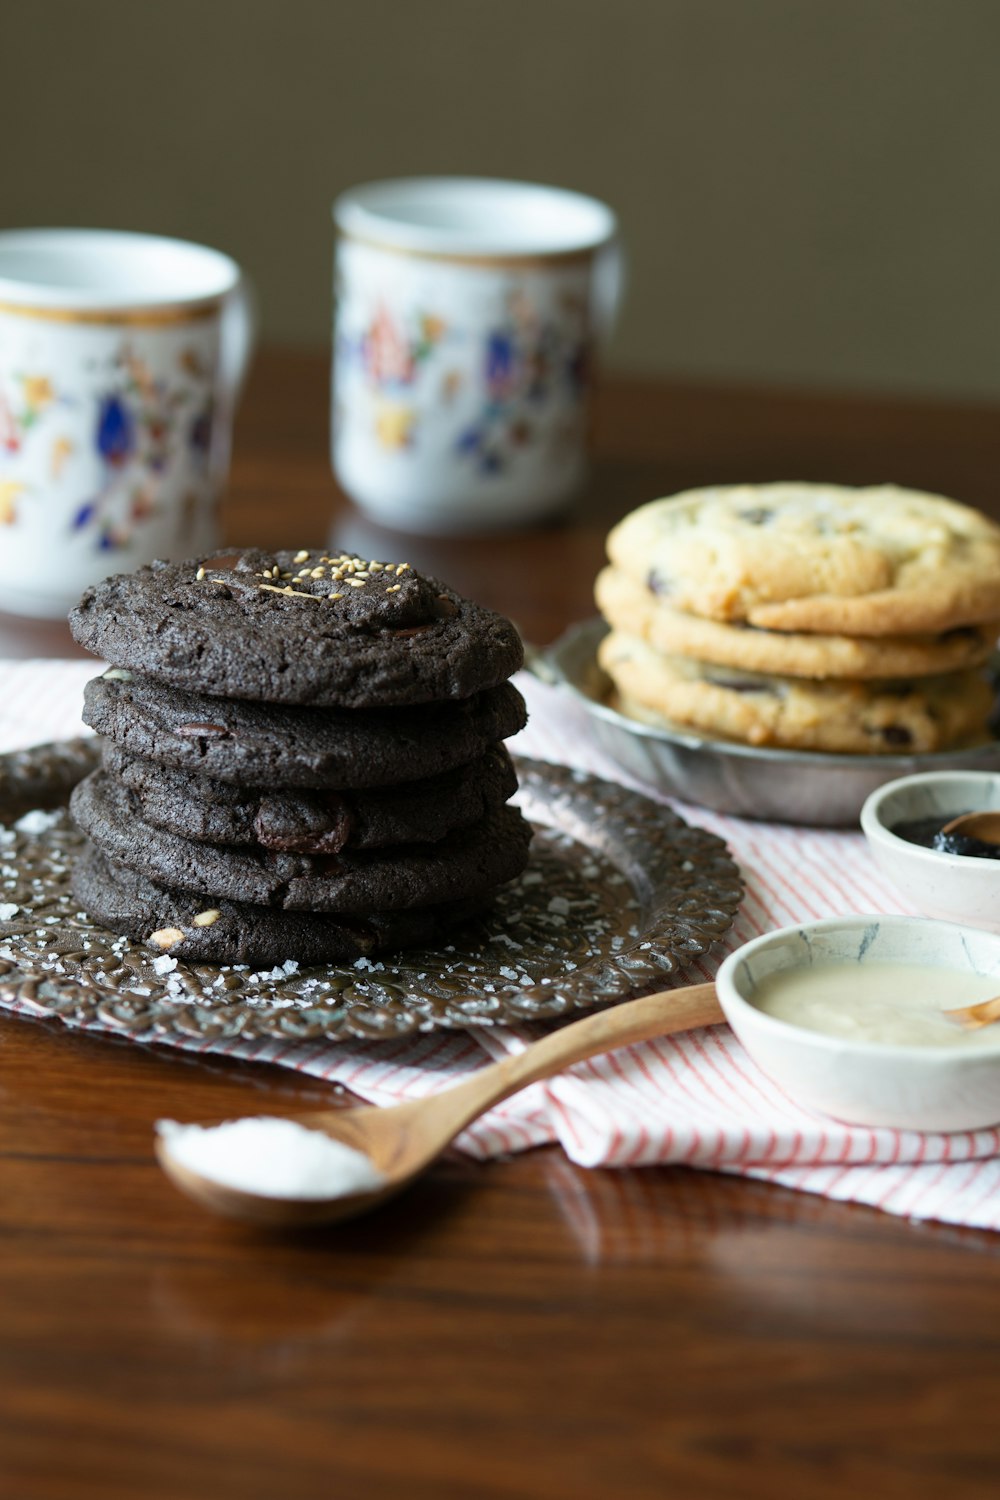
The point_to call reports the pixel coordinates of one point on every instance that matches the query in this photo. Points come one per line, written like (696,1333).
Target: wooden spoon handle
(661,1014)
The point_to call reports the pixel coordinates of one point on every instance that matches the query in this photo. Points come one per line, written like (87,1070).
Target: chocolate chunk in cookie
(315,822)
(468,863)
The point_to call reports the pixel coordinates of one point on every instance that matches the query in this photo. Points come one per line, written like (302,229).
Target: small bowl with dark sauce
(949,875)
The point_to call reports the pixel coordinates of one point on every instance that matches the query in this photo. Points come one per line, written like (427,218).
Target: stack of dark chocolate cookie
(303,757)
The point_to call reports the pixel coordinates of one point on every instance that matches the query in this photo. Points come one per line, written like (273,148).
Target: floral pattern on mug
(143,425)
(34,393)
(394,354)
(527,362)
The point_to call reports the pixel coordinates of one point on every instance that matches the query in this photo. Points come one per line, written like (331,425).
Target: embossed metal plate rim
(620,893)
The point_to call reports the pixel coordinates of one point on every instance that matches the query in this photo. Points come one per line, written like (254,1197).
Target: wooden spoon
(976,825)
(403,1141)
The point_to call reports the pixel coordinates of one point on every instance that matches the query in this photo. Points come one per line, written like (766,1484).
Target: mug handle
(239,334)
(608,287)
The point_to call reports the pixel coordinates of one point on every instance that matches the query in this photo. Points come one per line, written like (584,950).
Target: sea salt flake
(38,821)
(8,909)
(164,964)
(271,976)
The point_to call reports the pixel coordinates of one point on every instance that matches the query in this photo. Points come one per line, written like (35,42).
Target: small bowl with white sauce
(845,1016)
(900,820)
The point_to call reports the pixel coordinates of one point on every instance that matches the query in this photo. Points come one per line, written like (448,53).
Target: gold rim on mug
(134,317)
(533,262)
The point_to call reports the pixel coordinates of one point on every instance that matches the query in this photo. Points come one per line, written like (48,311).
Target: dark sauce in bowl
(927,832)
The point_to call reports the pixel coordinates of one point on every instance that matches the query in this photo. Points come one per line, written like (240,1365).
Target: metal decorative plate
(619,893)
(785,786)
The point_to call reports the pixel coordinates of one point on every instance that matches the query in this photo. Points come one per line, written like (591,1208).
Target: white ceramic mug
(467,315)
(121,358)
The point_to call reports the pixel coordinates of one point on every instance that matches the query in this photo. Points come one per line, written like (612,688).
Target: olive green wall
(808,188)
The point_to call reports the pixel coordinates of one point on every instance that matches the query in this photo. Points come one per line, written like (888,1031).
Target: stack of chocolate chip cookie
(303,757)
(805,616)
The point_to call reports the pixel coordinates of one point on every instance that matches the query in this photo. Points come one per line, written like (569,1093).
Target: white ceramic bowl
(955,887)
(862,1082)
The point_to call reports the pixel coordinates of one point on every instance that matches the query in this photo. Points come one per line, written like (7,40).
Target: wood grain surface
(523,1328)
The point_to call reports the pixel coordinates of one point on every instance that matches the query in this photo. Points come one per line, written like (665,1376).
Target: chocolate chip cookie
(300,628)
(186,926)
(837,715)
(315,822)
(635,609)
(467,864)
(820,558)
(269,745)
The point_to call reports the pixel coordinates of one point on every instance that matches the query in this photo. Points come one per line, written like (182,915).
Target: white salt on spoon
(251,1169)
(272,1157)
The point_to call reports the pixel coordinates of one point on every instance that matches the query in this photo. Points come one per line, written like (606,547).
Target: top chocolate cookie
(298,627)
(812,557)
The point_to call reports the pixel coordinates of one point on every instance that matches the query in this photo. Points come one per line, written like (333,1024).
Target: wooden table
(513,1330)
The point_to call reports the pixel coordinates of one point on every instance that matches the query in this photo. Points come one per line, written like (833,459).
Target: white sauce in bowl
(896,1004)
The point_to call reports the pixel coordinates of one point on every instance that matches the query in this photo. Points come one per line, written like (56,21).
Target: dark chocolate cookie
(257,744)
(302,627)
(318,822)
(465,864)
(189,927)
